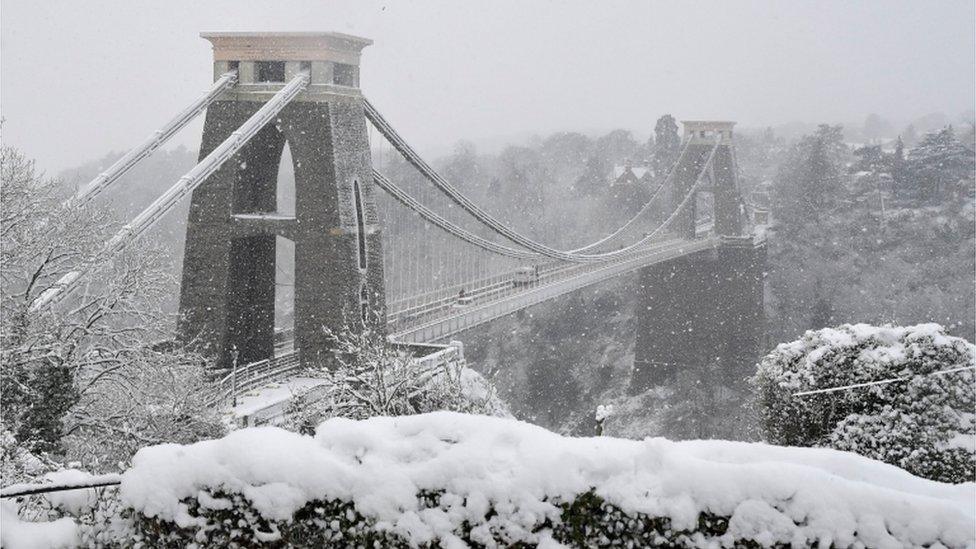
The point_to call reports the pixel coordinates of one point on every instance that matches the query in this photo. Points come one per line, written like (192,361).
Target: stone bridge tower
(227,297)
(705,307)
(719,181)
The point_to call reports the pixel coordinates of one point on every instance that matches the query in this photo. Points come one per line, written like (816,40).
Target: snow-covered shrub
(20,534)
(69,518)
(20,466)
(370,377)
(152,398)
(924,423)
(17,464)
(455,480)
(584,522)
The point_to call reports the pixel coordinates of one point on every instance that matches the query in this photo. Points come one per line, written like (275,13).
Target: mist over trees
(871,236)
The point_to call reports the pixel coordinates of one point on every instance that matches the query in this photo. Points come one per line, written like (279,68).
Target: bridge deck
(447,317)
(437,317)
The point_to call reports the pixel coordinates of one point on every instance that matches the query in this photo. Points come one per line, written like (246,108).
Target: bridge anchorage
(420,261)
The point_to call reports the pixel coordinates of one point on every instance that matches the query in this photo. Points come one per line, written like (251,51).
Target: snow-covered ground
(267,404)
(17,534)
(772,494)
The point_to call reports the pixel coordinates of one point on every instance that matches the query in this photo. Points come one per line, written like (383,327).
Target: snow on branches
(370,377)
(88,365)
(923,423)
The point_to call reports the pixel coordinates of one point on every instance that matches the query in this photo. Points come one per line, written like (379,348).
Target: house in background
(629,174)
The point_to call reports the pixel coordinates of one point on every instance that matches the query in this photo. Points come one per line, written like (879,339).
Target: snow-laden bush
(68,518)
(455,480)
(20,534)
(923,423)
(17,464)
(369,377)
(90,512)
(154,397)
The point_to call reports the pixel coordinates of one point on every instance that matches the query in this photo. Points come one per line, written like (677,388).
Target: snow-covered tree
(17,464)
(369,377)
(870,158)
(876,127)
(810,181)
(63,368)
(910,135)
(154,398)
(923,422)
(593,180)
(462,166)
(668,145)
(617,147)
(898,166)
(525,186)
(968,136)
(937,165)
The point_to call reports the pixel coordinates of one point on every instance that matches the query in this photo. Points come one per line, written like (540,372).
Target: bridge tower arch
(720,180)
(708,306)
(227,291)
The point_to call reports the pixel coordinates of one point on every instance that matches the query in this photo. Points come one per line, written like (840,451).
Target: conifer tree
(810,181)
(668,145)
(937,164)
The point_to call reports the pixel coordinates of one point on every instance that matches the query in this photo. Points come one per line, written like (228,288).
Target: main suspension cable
(153,142)
(645,207)
(384,183)
(404,198)
(445,187)
(185,185)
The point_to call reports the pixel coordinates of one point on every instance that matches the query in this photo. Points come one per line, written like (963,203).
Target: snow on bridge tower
(720,181)
(705,308)
(227,297)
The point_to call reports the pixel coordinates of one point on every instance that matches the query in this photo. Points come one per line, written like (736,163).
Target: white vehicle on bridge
(524,276)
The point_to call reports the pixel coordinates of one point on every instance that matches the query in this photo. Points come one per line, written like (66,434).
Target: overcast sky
(80,78)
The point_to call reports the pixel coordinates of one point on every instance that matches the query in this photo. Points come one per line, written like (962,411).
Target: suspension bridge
(413,256)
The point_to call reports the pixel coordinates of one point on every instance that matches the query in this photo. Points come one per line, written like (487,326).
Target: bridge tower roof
(265,61)
(286,46)
(704,131)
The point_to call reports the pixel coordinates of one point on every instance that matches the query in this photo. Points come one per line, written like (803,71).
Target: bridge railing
(255,374)
(558,282)
(483,290)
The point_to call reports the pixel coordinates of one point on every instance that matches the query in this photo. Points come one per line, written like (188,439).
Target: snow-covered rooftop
(638,171)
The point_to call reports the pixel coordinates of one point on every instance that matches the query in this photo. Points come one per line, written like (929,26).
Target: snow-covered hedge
(454,480)
(924,424)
